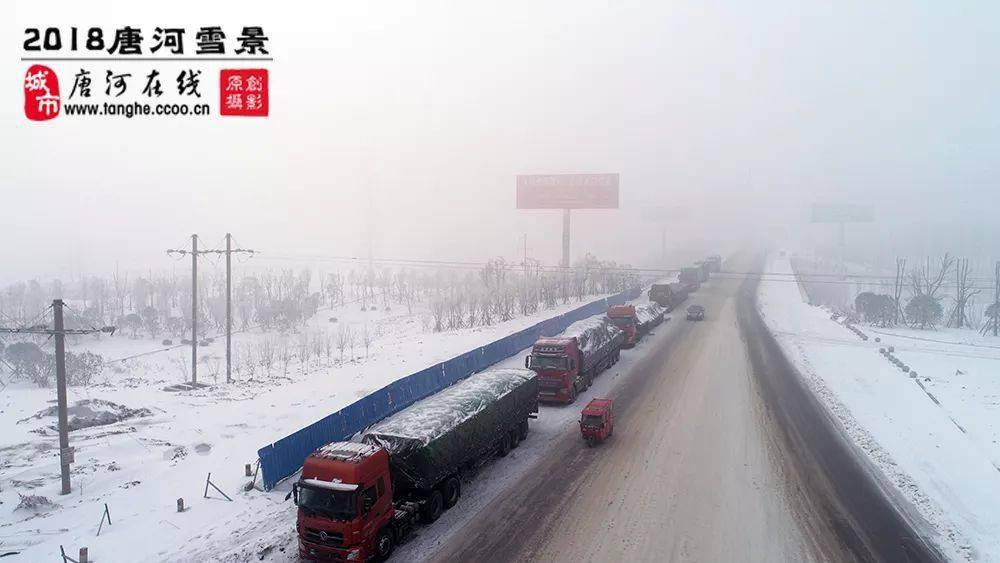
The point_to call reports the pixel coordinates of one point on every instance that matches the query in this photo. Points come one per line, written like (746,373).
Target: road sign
(567,191)
(841,213)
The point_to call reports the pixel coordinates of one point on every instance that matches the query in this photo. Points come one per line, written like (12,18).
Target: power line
(790,277)
(195,253)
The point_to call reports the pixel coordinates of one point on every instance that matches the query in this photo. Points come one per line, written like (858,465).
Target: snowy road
(696,470)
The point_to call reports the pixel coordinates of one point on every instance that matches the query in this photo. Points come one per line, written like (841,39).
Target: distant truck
(704,271)
(635,321)
(357,500)
(690,277)
(668,295)
(714,263)
(567,364)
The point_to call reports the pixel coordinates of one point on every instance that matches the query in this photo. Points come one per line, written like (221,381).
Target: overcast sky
(754,111)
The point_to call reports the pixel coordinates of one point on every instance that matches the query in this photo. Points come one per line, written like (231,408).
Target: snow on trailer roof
(346,451)
(591,333)
(648,311)
(438,414)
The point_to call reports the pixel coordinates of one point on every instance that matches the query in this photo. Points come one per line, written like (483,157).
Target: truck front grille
(320,537)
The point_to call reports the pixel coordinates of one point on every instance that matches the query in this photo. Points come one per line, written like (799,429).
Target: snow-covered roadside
(273,531)
(945,473)
(141,465)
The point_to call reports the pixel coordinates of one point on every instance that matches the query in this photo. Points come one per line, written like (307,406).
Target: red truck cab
(623,316)
(557,363)
(597,420)
(344,500)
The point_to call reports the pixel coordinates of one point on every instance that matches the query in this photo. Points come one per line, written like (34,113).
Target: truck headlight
(354,554)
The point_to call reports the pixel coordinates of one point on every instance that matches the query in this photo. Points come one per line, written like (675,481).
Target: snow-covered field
(933,438)
(160,445)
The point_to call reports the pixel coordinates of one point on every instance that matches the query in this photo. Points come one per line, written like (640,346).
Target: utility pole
(59,332)
(65,454)
(565,249)
(525,256)
(229,308)
(194,309)
(229,251)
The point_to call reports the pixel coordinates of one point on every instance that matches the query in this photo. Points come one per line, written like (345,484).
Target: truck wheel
(504,445)
(431,510)
(384,544)
(451,490)
(572,394)
(523,430)
(515,438)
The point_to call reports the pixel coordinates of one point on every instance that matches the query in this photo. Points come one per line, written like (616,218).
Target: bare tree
(304,350)
(342,338)
(266,352)
(366,339)
(327,346)
(924,282)
(438,307)
(992,313)
(351,340)
(181,364)
(963,296)
(897,294)
(250,360)
(284,356)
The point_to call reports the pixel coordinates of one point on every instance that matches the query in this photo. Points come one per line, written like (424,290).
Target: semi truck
(714,263)
(567,364)
(668,295)
(358,499)
(650,315)
(704,271)
(624,317)
(635,321)
(691,278)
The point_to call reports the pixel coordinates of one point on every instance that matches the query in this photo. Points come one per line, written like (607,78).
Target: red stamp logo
(41,93)
(243,92)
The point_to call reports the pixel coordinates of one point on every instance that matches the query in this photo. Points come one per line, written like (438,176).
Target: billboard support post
(841,214)
(567,192)
(565,250)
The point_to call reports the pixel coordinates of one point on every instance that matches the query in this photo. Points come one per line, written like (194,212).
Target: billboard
(567,191)
(841,213)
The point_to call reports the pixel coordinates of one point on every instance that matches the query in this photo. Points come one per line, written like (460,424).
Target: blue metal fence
(284,457)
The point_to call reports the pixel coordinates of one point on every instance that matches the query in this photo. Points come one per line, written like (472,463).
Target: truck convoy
(566,365)
(668,295)
(356,500)
(635,321)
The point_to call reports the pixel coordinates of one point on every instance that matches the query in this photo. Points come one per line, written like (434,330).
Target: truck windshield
(337,505)
(622,322)
(592,420)
(547,362)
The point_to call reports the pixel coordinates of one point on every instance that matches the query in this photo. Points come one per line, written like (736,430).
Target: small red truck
(597,420)
(357,500)
(567,364)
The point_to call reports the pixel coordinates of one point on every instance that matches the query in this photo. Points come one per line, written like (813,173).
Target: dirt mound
(93,412)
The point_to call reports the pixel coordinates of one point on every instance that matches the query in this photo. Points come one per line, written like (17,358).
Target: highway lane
(697,470)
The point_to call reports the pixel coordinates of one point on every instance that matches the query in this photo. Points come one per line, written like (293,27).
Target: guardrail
(284,457)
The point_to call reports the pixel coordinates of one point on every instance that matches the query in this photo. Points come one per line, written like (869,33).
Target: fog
(403,125)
